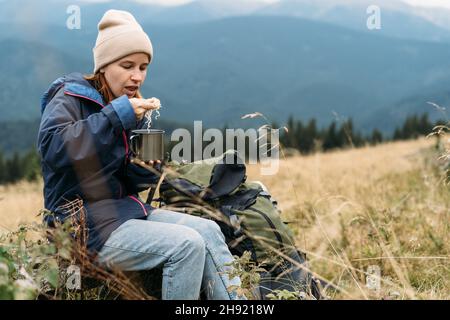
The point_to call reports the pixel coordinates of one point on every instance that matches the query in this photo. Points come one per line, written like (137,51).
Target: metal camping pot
(148,145)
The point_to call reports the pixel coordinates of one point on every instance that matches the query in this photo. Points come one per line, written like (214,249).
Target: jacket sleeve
(67,139)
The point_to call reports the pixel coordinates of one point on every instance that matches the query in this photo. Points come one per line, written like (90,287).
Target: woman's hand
(147,164)
(141,106)
(153,163)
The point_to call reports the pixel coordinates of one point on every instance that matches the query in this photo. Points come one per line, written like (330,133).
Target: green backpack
(247,215)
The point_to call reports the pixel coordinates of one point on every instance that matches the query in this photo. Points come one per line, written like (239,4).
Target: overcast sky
(430,3)
(425,3)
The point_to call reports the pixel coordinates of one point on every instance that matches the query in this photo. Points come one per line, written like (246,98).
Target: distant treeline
(305,137)
(18,136)
(17,167)
(308,138)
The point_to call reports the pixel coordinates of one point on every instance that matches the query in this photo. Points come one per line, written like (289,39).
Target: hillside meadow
(382,209)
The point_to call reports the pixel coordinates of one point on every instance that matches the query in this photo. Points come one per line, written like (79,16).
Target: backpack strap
(225,178)
(242,199)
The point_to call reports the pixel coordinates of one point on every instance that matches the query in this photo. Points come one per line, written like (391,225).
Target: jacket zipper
(274,229)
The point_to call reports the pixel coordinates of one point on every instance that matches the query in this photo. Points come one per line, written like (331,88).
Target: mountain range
(216,63)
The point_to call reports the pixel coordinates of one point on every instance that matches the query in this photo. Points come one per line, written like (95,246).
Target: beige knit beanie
(119,35)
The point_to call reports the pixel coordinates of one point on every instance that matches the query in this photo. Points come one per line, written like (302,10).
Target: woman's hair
(100,84)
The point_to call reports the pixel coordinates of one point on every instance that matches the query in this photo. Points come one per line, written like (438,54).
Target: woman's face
(126,75)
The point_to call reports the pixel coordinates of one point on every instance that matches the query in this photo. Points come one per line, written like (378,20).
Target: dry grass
(362,207)
(20,203)
(384,206)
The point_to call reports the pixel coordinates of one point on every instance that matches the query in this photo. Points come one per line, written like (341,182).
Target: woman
(83,142)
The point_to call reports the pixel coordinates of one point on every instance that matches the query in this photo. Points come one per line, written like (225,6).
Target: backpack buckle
(234,220)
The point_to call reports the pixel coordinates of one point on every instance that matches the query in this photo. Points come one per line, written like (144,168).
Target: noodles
(148,117)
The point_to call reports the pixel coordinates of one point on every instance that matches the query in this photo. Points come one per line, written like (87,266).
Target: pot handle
(131,144)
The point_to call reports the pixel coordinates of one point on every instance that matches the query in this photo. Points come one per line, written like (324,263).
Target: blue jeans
(191,250)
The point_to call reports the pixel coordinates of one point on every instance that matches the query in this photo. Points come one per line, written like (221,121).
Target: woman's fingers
(141,106)
(155,100)
(150,105)
(153,162)
(155,103)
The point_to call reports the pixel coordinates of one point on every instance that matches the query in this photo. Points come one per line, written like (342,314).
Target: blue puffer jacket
(85,155)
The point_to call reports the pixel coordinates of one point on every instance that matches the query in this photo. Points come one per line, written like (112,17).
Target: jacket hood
(75,84)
